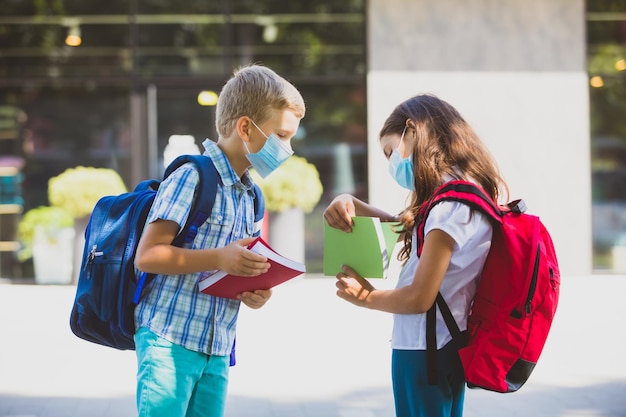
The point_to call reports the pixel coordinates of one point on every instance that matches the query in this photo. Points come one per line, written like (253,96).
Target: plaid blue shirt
(172,306)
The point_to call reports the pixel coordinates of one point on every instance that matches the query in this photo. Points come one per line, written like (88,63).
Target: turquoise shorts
(414,397)
(174,381)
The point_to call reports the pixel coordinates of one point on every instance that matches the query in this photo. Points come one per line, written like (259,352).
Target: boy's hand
(236,259)
(255,299)
(352,287)
(339,212)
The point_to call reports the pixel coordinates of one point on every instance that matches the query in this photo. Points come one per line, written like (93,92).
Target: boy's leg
(414,397)
(209,397)
(166,375)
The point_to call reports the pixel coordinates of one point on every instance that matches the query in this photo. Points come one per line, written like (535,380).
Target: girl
(427,143)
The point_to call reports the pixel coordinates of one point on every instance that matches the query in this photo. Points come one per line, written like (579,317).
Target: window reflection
(606,30)
(134,79)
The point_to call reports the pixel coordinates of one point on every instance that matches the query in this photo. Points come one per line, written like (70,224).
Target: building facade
(518,71)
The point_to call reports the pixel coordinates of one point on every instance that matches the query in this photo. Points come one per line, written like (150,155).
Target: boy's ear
(244,126)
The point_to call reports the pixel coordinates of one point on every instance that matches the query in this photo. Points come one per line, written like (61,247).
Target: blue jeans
(176,382)
(414,397)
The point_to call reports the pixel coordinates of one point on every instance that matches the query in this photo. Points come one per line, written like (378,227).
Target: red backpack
(516,299)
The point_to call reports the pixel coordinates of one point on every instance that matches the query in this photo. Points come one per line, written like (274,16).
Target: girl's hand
(340,211)
(352,287)
(255,299)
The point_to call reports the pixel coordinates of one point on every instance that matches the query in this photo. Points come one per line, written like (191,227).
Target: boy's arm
(156,254)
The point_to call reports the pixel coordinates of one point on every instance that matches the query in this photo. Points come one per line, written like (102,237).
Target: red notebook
(282,269)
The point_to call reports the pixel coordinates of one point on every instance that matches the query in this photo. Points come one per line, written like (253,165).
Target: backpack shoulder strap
(467,193)
(259,209)
(472,195)
(259,204)
(204,197)
(458,337)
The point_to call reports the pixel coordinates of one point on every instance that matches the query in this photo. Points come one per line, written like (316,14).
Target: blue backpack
(108,289)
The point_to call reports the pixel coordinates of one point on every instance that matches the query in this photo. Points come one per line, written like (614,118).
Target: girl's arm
(415,298)
(340,211)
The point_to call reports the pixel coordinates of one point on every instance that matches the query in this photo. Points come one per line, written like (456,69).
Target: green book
(367,249)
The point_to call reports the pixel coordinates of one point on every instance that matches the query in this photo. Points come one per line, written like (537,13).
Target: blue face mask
(401,169)
(273,153)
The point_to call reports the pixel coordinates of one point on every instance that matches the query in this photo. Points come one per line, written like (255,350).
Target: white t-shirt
(472,237)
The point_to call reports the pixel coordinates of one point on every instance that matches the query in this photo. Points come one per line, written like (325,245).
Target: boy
(184,338)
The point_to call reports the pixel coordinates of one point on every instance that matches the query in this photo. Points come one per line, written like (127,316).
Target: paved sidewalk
(308,354)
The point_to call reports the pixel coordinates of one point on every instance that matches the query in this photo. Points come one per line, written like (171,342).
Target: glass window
(76,78)
(606,31)
(75,125)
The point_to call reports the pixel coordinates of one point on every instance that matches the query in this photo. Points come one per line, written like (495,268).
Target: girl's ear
(243,126)
(411,131)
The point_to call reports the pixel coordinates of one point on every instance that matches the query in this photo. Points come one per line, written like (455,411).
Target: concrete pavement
(308,353)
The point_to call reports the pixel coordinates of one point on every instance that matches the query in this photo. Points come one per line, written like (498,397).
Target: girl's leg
(414,397)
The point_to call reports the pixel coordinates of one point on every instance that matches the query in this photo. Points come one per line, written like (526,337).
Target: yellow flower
(51,219)
(77,190)
(294,184)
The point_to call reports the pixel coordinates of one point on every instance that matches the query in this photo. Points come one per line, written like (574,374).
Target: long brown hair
(444,145)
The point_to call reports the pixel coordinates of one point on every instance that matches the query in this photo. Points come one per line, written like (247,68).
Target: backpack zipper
(533,281)
(552,280)
(531,290)
(93,253)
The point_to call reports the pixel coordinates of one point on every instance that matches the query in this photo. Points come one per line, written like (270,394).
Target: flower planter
(53,255)
(286,233)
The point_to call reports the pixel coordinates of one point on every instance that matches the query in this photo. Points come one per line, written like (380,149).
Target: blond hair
(253,91)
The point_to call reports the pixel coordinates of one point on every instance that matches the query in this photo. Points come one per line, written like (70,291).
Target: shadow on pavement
(599,400)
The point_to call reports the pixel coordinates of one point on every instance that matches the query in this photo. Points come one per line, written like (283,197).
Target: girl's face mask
(401,169)
(273,153)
